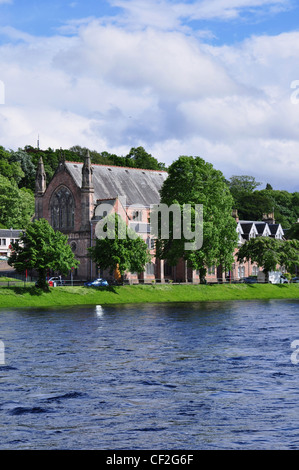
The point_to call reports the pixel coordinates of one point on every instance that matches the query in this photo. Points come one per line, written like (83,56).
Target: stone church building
(71,201)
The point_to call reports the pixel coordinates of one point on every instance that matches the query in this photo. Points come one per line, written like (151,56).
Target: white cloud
(165,63)
(165,14)
(228,9)
(109,88)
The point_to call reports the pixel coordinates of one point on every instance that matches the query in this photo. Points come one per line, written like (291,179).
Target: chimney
(269,218)
(235,215)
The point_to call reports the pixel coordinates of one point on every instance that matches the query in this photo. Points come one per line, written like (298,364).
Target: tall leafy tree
(139,158)
(290,255)
(16,205)
(42,249)
(119,249)
(264,251)
(270,253)
(193,181)
(10,168)
(24,160)
(251,204)
(243,184)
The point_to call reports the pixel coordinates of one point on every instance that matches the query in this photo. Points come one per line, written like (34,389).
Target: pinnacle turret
(40,180)
(87,182)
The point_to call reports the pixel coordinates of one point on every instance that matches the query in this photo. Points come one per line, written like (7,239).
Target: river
(176,376)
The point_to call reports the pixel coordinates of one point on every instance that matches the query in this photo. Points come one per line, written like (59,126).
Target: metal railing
(9,282)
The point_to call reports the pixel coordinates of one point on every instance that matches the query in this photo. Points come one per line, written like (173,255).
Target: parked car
(57,280)
(97,283)
(283,280)
(295,279)
(249,280)
(274,277)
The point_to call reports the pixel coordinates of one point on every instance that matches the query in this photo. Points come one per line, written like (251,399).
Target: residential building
(7,237)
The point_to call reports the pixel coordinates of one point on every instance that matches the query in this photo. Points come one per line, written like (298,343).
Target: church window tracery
(62,209)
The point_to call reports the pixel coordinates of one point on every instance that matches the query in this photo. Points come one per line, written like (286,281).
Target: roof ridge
(117,166)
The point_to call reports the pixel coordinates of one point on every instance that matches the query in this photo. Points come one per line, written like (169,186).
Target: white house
(7,237)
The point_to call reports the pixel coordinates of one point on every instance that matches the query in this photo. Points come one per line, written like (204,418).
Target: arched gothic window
(62,209)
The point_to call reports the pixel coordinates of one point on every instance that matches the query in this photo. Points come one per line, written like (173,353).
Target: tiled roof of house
(10,233)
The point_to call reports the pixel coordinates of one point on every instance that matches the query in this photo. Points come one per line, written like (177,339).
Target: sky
(217,79)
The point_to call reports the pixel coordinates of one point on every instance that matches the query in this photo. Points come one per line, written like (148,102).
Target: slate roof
(137,185)
(260,226)
(246,226)
(273,228)
(10,233)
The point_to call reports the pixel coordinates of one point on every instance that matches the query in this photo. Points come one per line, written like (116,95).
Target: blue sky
(199,77)
(41,17)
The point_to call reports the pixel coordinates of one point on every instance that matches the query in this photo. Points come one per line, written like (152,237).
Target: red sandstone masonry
(63,178)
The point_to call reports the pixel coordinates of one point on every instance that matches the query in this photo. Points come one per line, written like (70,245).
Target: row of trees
(269,253)
(252,203)
(191,181)
(18,169)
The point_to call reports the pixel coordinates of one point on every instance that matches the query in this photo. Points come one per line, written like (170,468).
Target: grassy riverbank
(17,296)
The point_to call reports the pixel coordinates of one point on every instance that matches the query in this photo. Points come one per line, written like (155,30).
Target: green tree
(251,204)
(119,248)
(193,181)
(139,158)
(283,205)
(264,251)
(293,233)
(290,255)
(243,184)
(10,168)
(28,168)
(254,205)
(16,205)
(42,249)
(269,253)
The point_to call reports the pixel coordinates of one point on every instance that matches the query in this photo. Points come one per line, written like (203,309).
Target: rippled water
(184,376)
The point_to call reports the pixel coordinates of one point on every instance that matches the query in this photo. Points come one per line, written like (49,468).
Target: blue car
(97,283)
(249,280)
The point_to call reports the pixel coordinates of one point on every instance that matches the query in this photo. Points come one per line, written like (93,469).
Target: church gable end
(61,201)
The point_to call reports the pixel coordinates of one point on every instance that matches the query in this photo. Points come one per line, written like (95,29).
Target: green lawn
(18,296)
